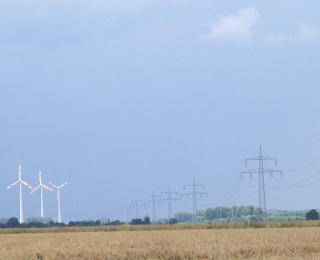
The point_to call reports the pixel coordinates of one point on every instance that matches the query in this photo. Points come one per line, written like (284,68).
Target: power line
(194,194)
(299,186)
(169,199)
(261,171)
(299,168)
(297,183)
(241,195)
(230,192)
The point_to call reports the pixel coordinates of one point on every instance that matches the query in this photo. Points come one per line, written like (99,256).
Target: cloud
(304,33)
(307,33)
(235,27)
(275,39)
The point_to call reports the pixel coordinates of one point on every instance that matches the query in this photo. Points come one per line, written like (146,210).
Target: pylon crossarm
(187,193)
(203,193)
(251,159)
(270,170)
(260,158)
(268,158)
(250,172)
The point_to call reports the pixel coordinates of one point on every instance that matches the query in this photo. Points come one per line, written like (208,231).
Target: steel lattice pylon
(169,199)
(261,171)
(194,194)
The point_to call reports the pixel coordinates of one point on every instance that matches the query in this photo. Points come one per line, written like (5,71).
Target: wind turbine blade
(35,189)
(12,184)
(26,184)
(44,186)
(63,184)
(40,177)
(53,185)
(20,172)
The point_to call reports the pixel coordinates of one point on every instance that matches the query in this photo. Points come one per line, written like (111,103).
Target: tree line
(239,214)
(210,215)
(45,223)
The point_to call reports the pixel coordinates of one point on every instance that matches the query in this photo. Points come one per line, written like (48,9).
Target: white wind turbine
(41,199)
(20,181)
(58,198)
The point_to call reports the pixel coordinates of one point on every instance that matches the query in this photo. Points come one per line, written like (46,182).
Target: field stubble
(275,243)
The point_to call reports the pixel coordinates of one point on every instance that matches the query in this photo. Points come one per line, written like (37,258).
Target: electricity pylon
(128,210)
(169,199)
(138,204)
(261,171)
(194,194)
(153,201)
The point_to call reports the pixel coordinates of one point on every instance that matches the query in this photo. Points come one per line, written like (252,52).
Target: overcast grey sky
(123,97)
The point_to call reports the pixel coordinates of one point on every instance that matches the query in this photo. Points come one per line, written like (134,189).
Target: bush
(183,216)
(312,215)
(136,221)
(13,223)
(114,223)
(172,221)
(146,220)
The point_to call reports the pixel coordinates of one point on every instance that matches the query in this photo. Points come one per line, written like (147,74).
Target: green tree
(172,221)
(210,214)
(183,216)
(13,223)
(312,215)
(146,220)
(200,213)
(162,221)
(136,221)
(4,220)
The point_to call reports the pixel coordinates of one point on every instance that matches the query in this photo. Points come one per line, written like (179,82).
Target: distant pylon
(194,194)
(137,204)
(153,201)
(128,210)
(169,198)
(261,171)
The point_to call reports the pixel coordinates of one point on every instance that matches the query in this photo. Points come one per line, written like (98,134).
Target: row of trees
(238,214)
(14,223)
(30,219)
(138,221)
(39,223)
(211,215)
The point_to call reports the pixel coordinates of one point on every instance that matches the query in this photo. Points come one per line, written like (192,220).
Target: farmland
(178,242)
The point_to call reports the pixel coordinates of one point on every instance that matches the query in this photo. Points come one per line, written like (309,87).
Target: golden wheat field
(274,243)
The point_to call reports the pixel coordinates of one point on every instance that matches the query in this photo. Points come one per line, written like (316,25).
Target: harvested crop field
(275,243)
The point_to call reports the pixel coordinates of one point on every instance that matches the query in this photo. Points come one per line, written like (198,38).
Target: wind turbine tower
(58,198)
(41,198)
(24,183)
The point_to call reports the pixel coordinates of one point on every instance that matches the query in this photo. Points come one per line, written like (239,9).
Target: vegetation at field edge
(247,225)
